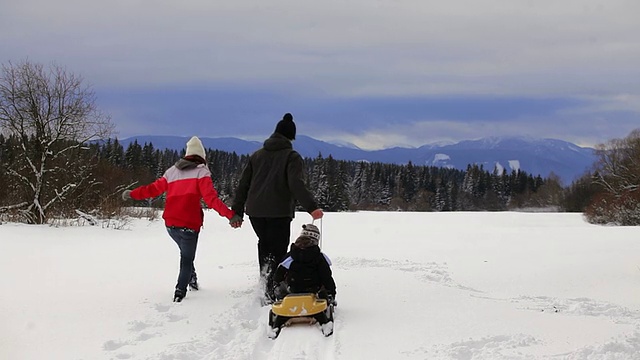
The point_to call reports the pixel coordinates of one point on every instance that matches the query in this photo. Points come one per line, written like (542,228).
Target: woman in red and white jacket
(186,183)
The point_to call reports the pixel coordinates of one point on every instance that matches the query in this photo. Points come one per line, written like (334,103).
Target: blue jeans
(187,241)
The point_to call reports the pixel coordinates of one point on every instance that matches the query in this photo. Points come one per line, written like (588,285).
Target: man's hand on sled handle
(317,214)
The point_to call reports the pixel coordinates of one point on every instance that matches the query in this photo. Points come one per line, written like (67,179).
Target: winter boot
(179,295)
(193,282)
(268,299)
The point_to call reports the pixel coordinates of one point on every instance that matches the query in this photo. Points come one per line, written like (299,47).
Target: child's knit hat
(309,236)
(311,231)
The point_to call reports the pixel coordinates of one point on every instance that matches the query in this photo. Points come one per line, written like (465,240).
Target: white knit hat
(310,230)
(194,147)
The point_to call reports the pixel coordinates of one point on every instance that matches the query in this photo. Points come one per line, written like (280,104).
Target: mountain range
(535,156)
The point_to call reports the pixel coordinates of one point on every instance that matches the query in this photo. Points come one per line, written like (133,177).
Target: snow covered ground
(410,286)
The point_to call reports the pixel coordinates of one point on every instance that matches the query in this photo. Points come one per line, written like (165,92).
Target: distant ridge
(535,156)
(228,144)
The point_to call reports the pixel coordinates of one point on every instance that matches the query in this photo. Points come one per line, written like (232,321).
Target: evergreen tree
(319,182)
(408,180)
(133,156)
(148,159)
(338,182)
(358,186)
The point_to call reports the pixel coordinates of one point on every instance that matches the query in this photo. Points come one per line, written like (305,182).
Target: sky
(374,73)
(558,288)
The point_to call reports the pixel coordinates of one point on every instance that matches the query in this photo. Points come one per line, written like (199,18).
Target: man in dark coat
(271,182)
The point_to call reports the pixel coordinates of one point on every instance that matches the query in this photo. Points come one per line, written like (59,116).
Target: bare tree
(618,165)
(617,172)
(51,115)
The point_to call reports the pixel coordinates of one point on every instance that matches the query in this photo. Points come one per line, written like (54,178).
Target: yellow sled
(294,305)
(300,308)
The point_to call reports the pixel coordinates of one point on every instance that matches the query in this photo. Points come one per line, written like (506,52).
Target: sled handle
(320,241)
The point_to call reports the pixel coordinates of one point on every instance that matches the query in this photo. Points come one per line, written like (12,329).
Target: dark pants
(273,242)
(187,241)
(283,290)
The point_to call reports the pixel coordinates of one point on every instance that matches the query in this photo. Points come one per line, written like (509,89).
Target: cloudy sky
(375,73)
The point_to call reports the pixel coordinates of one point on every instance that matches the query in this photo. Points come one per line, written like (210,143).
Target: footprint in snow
(162,307)
(137,326)
(112,345)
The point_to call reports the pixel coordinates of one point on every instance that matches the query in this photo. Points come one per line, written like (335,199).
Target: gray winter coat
(271,182)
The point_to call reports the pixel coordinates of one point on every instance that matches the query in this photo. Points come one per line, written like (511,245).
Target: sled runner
(300,308)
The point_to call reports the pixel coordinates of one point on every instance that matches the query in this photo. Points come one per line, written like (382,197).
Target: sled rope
(319,241)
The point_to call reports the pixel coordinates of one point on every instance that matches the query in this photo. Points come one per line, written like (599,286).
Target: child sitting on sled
(305,269)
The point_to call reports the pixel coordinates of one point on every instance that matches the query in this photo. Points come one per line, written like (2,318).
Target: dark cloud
(233,111)
(378,72)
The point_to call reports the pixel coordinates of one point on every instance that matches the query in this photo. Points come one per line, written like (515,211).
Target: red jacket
(185,184)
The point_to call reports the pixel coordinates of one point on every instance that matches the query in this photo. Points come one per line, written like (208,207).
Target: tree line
(101,170)
(56,163)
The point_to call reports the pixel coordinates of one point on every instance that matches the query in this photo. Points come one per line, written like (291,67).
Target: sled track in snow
(301,342)
(239,333)
(242,334)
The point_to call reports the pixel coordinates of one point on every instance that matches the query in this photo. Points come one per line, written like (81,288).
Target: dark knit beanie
(287,127)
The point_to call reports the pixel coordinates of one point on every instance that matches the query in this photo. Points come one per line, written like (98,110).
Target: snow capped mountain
(441,160)
(344,144)
(514,164)
(535,156)
(437,144)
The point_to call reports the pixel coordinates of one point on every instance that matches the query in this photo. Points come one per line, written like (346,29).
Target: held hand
(317,214)
(235,221)
(126,195)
